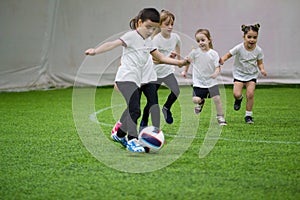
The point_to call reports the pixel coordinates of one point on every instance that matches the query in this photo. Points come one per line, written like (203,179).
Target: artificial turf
(43,155)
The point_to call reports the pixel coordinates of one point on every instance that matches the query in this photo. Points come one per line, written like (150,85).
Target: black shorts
(252,80)
(204,93)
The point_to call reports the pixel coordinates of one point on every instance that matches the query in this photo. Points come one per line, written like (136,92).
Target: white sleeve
(216,58)
(235,49)
(126,39)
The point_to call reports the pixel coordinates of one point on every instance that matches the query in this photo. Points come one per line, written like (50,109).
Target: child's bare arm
(167,60)
(104,47)
(224,58)
(216,72)
(261,67)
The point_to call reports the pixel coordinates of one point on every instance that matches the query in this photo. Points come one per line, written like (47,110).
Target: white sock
(240,98)
(248,113)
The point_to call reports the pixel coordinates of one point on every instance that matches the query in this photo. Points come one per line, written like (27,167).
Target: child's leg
(238,89)
(215,94)
(172,84)
(199,95)
(197,100)
(145,116)
(238,94)
(129,118)
(218,104)
(152,106)
(250,87)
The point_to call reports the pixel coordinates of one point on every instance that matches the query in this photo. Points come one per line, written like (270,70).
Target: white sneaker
(221,121)
(199,107)
(134,146)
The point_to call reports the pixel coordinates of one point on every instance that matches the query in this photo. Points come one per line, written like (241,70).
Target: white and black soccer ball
(152,139)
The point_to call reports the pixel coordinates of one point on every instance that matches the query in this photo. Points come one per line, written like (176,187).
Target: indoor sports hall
(59,105)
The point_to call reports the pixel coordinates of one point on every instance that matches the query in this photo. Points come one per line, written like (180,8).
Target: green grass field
(43,156)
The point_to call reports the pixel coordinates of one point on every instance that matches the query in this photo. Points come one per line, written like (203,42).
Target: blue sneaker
(167,115)
(122,141)
(134,146)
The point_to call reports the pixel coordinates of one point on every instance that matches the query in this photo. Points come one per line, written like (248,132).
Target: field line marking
(93,118)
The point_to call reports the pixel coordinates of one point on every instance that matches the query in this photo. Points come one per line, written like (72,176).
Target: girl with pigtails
(247,65)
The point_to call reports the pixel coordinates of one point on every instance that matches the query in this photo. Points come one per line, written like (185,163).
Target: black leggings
(152,106)
(151,96)
(131,93)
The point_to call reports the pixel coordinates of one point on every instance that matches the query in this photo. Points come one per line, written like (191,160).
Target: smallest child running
(247,64)
(206,68)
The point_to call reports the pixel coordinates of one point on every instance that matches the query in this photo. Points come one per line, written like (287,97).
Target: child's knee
(237,95)
(217,99)
(250,94)
(197,100)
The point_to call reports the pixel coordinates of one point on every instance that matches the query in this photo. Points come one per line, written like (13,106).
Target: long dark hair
(146,14)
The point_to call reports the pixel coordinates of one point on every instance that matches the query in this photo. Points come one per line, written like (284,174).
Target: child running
(168,43)
(248,61)
(137,49)
(206,68)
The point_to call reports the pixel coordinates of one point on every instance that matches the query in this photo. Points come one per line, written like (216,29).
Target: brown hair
(207,34)
(164,16)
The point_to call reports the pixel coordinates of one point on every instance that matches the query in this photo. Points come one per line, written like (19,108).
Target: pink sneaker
(116,128)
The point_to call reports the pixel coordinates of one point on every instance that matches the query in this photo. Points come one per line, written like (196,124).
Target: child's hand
(183,73)
(173,54)
(214,75)
(90,52)
(221,61)
(263,72)
(116,88)
(186,61)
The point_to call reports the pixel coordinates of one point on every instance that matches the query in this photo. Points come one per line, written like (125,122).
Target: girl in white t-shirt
(206,68)
(168,43)
(248,61)
(137,49)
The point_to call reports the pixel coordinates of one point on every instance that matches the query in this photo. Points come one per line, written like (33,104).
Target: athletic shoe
(199,107)
(116,128)
(249,120)
(134,146)
(221,121)
(143,125)
(237,103)
(122,141)
(167,115)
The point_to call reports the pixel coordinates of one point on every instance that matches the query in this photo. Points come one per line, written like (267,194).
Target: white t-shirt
(136,54)
(149,73)
(245,64)
(204,64)
(165,46)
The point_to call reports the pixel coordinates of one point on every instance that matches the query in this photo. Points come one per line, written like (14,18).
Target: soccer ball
(152,139)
